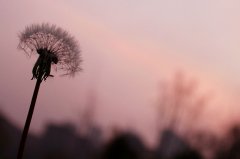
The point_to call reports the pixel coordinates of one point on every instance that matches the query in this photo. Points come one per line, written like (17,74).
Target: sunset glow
(128,48)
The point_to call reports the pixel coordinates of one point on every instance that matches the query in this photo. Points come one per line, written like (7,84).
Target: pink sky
(128,47)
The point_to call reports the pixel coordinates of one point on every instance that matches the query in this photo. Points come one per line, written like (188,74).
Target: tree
(179,107)
(179,103)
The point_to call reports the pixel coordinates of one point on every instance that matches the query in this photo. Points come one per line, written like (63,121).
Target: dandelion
(54,47)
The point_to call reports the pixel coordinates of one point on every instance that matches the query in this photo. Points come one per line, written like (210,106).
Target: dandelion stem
(54,46)
(29,118)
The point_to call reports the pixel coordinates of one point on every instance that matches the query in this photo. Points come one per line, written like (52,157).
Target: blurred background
(160,80)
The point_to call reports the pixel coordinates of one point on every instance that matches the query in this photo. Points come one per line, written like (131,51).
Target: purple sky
(128,47)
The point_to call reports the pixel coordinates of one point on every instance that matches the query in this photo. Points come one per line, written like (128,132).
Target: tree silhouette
(180,106)
(54,47)
(180,103)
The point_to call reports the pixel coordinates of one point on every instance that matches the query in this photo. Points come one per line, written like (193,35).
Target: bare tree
(179,103)
(54,47)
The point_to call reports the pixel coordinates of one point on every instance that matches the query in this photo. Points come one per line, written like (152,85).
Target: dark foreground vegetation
(63,142)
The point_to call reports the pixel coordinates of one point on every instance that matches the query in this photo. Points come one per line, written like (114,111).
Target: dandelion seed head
(56,42)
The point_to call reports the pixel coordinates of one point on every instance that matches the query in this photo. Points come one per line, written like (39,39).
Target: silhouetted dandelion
(54,47)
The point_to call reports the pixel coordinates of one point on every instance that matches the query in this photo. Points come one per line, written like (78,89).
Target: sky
(128,48)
